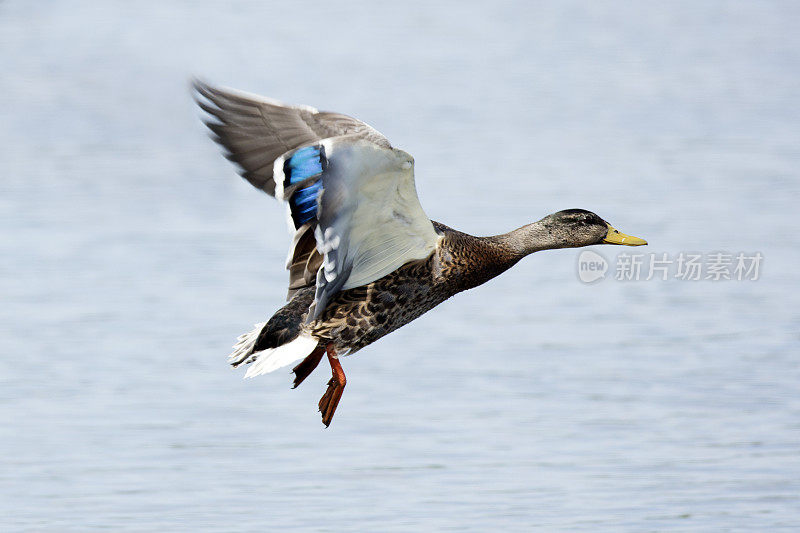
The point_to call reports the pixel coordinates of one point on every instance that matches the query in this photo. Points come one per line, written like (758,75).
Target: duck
(364,259)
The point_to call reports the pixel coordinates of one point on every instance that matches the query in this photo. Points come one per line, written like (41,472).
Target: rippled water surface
(132,256)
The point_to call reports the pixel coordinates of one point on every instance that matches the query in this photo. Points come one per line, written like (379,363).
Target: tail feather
(271,359)
(274,358)
(244,346)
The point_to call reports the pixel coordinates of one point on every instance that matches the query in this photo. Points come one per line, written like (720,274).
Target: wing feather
(243,123)
(370,221)
(351,197)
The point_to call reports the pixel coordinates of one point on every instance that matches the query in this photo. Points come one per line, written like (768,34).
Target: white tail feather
(286,354)
(244,345)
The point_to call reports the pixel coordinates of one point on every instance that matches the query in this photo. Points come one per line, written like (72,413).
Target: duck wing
(254,130)
(351,198)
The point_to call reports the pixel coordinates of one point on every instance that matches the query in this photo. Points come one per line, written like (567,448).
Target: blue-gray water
(132,257)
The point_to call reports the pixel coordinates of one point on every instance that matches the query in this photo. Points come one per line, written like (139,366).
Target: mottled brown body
(357,317)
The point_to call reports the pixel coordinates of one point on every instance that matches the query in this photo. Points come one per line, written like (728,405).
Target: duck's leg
(329,400)
(307,365)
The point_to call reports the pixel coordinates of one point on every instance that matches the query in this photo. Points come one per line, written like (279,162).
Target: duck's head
(578,227)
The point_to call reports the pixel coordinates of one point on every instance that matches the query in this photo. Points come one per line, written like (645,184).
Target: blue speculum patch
(304,203)
(305,163)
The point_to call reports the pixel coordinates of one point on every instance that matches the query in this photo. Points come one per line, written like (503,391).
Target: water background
(132,257)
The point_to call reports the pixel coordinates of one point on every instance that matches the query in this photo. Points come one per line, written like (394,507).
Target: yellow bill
(615,236)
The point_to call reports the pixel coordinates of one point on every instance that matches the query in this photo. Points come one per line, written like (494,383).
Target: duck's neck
(531,238)
(488,257)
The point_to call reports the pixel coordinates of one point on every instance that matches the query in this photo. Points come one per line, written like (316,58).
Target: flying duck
(365,259)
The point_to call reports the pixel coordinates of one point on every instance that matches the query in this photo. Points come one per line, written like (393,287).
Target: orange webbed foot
(330,400)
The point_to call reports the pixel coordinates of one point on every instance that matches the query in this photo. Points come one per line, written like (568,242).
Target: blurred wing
(255,131)
(361,199)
